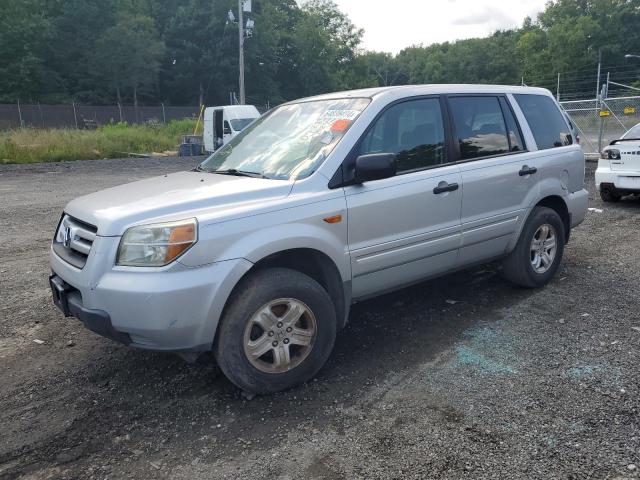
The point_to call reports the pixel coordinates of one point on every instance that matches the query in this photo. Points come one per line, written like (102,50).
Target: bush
(28,145)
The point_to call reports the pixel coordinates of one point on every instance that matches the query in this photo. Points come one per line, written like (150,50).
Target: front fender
(254,238)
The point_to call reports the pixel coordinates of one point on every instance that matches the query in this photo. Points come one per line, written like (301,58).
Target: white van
(221,124)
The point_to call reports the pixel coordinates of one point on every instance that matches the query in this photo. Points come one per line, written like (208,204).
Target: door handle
(526,170)
(445,187)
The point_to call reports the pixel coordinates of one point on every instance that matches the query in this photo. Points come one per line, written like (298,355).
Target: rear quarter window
(545,120)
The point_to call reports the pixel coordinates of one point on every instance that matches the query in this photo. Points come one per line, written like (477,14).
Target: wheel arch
(554,202)
(557,203)
(313,263)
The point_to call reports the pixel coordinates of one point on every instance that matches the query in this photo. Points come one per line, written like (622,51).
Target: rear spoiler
(625,140)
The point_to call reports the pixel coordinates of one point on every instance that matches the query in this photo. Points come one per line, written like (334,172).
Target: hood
(173,197)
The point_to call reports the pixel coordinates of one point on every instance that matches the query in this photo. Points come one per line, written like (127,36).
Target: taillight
(611,154)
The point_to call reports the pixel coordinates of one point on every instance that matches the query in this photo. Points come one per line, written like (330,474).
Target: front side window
(291,142)
(547,124)
(413,130)
(480,126)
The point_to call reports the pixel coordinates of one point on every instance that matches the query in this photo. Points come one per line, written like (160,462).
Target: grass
(28,145)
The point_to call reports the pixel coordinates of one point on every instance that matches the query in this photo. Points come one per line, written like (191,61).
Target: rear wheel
(609,195)
(539,250)
(277,332)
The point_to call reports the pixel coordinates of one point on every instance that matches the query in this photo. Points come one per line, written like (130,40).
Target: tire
(244,332)
(608,195)
(520,266)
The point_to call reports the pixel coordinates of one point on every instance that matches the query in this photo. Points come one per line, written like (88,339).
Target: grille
(73,240)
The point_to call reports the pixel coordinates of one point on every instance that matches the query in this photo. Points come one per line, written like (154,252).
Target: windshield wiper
(238,173)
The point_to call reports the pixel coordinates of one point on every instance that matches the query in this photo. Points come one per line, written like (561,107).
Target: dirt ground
(461,377)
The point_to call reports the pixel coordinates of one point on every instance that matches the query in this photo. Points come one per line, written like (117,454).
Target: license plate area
(630,182)
(59,291)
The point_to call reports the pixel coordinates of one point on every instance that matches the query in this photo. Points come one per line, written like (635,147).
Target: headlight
(156,245)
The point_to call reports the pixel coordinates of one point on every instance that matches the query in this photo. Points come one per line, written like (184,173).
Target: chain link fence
(87,116)
(599,122)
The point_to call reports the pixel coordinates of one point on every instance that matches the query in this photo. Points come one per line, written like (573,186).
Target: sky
(393,25)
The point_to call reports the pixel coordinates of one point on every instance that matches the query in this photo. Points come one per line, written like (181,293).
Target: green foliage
(111,141)
(185,51)
(24,35)
(128,54)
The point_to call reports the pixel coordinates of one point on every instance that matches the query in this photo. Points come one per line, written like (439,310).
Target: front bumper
(69,301)
(174,308)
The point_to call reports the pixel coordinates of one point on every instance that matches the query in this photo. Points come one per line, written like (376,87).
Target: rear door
(405,228)
(496,174)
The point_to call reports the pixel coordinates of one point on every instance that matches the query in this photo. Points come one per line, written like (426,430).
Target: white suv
(618,170)
(259,252)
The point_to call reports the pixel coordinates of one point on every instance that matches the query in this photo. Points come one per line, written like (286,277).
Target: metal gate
(599,122)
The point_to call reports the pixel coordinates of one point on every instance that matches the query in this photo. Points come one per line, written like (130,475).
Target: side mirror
(227,131)
(375,166)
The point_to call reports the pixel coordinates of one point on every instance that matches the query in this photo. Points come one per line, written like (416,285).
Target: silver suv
(260,251)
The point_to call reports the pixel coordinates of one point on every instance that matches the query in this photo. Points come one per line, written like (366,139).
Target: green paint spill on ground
(585,371)
(487,351)
(468,356)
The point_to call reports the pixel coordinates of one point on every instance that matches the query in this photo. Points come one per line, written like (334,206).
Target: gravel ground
(503,383)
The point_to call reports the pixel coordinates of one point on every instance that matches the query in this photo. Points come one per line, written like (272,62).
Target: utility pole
(241,38)
(603,95)
(598,79)
(558,89)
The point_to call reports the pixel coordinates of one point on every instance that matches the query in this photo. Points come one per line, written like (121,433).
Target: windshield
(633,132)
(239,124)
(290,142)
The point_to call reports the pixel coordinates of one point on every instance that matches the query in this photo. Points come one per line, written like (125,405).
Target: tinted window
(545,120)
(480,126)
(515,137)
(412,130)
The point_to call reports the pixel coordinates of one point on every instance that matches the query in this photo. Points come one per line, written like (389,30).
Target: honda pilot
(258,253)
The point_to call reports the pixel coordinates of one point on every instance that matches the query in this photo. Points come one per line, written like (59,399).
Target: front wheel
(537,255)
(277,332)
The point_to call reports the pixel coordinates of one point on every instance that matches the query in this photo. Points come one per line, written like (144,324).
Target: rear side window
(515,137)
(413,130)
(480,126)
(545,120)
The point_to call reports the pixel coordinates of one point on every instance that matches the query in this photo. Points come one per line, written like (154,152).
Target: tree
(24,35)
(327,44)
(382,69)
(128,55)
(184,51)
(76,26)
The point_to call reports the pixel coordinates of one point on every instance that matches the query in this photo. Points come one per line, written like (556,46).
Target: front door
(405,228)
